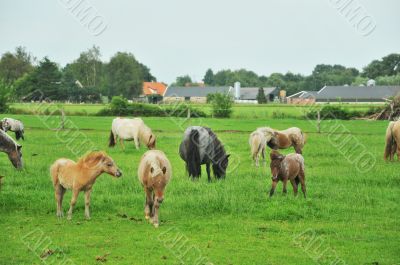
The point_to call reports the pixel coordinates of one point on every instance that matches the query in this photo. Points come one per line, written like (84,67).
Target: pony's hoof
(156,225)
(60,215)
(87,217)
(69,217)
(146,217)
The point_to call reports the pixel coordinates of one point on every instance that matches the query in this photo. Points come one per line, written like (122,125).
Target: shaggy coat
(16,126)
(80,176)
(131,129)
(154,173)
(284,139)
(392,141)
(12,149)
(289,167)
(201,146)
(257,144)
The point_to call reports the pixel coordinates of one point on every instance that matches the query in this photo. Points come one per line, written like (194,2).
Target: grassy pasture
(353,216)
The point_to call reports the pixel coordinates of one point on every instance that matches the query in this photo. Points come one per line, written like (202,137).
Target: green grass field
(240,111)
(349,217)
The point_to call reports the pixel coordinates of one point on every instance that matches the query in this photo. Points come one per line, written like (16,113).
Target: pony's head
(101,161)
(15,156)
(5,125)
(276,160)
(220,168)
(151,144)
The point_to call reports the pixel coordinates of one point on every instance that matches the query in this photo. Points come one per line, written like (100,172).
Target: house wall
(300,101)
(173,99)
(198,99)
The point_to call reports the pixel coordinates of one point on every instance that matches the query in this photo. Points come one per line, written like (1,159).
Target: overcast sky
(178,37)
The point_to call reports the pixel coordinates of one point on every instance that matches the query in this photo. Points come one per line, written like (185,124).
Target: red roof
(154,88)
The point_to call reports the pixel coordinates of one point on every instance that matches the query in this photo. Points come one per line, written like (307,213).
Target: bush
(334,112)
(121,107)
(222,105)
(5,96)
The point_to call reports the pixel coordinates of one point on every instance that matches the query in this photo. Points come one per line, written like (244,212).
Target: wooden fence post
(319,122)
(62,118)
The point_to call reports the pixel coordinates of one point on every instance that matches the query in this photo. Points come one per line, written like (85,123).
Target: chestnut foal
(154,173)
(80,176)
(289,167)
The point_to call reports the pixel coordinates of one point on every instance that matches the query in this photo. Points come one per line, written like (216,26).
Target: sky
(178,37)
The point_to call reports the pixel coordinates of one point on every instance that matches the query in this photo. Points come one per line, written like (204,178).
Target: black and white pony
(201,146)
(16,126)
(11,148)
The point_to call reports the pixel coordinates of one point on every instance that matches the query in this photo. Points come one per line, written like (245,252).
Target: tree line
(85,79)
(385,72)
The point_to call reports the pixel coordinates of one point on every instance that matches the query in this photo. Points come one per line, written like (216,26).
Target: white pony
(9,124)
(257,144)
(131,129)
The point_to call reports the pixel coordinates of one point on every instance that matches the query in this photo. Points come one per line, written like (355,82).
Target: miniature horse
(287,167)
(201,146)
(392,141)
(12,149)
(80,176)
(131,129)
(284,139)
(257,146)
(154,173)
(16,126)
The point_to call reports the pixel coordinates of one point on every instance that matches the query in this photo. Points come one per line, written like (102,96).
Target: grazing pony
(201,146)
(80,176)
(131,129)
(154,173)
(284,139)
(16,126)
(392,141)
(289,167)
(12,149)
(257,145)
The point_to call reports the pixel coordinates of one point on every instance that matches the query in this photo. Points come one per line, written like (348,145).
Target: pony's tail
(390,141)
(255,144)
(111,140)
(193,157)
(304,137)
(54,173)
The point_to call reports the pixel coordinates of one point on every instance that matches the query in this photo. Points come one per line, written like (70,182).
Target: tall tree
(209,77)
(15,65)
(183,80)
(124,75)
(261,99)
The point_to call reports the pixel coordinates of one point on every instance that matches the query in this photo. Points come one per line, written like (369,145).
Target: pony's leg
(256,157)
(295,188)
(208,172)
(75,194)
(271,192)
(263,156)
(87,203)
(148,208)
(59,194)
(157,203)
(303,185)
(284,186)
(137,144)
(121,141)
(398,152)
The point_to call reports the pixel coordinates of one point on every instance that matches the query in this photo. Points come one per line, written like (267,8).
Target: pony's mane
(92,158)
(9,138)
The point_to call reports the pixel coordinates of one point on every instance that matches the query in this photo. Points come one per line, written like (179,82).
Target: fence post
(188,113)
(319,122)
(62,118)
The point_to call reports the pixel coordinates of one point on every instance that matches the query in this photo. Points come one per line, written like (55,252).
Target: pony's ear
(151,170)
(227,156)
(19,147)
(164,170)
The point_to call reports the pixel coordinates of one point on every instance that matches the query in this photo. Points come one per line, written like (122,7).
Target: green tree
(15,65)
(261,99)
(209,77)
(46,78)
(222,105)
(5,96)
(183,80)
(384,67)
(124,75)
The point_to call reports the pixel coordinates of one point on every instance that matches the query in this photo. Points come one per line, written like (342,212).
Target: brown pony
(80,176)
(289,167)
(284,139)
(154,173)
(392,140)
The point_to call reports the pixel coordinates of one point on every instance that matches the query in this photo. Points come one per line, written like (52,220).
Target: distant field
(349,216)
(239,110)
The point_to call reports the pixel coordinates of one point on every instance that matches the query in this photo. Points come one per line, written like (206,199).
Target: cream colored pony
(284,139)
(154,173)
(257,144)
(131,129)
(392,140)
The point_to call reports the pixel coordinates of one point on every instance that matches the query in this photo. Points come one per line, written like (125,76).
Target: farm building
(199,94)
(154,91)
(352,94)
